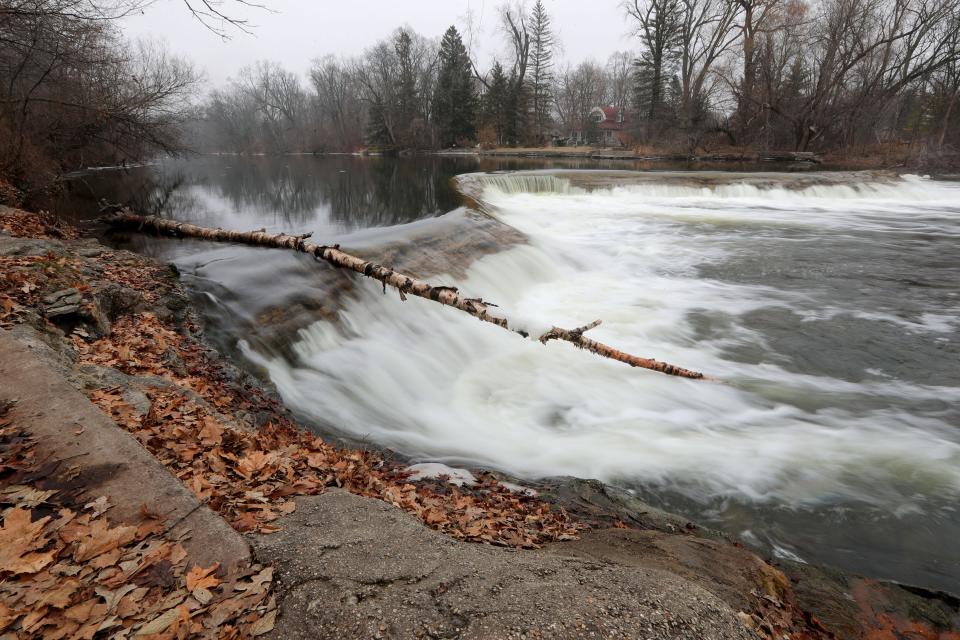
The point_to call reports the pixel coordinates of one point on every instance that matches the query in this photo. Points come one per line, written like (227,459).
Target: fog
(293,32)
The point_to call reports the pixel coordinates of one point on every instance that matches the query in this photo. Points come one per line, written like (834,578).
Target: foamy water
(788,295)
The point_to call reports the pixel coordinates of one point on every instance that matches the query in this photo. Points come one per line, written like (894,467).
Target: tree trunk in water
(404,284)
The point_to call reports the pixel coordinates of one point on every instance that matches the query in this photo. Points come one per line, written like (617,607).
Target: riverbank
(646,155)
(356,549)
(875,157)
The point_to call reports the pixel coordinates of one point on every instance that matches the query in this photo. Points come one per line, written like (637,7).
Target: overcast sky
(299,30)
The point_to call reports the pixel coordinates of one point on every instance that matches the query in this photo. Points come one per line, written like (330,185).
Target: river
(827,304)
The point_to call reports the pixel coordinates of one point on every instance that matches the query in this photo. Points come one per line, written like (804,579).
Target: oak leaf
(19,541)
(101,538)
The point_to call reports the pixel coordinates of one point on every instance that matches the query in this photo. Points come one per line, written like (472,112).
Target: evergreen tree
(378,133)
(516,108)
(406,92)
(541,70)
(455,102)
(496,101)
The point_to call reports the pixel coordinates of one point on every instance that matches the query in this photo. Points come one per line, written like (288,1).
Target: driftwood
(406,285)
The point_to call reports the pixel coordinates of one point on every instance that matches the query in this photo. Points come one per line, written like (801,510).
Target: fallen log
(406,285)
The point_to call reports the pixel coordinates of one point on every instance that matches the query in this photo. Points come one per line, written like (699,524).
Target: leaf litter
(66,572)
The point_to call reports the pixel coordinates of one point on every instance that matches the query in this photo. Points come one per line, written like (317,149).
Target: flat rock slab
(110,462)
(353,567)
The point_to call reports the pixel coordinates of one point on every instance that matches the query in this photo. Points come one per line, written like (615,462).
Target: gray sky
(300,30)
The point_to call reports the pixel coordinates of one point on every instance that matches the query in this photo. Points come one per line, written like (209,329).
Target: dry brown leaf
(159,624)
(59,596)
(212,433)
(113,597)
(7,615)
(199,577)
(201,595)
(264,624)
(19,540)
(101,538)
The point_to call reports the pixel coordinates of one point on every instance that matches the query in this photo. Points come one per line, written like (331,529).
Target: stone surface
(109,461)
(353,567)
(64,296)
(61,310)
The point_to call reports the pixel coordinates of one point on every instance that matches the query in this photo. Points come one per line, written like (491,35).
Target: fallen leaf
(98,506)
(265,624)
(201,595)
(159,624)
(102,538)
(199,577)
(19,540)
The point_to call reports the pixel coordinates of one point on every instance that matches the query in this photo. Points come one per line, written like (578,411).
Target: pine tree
(541,72)
(495,102)
(516,109)
(407,99)
(378,133)
(455,102)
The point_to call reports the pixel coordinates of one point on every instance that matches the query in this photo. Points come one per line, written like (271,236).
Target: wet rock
(90,250)
(63,297)
(603,505)
(354,567)
(62,310)
(66,309)
(172,307)
(115,300)
(10,246)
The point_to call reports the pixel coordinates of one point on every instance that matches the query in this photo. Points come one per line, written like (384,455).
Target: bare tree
(577,91)
(72,92)
(706,33)
(619,73)
(337,98)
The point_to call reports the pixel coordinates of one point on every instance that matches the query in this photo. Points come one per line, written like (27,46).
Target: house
(605,126)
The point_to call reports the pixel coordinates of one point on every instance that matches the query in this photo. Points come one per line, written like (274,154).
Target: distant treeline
(809,75)
(765,74)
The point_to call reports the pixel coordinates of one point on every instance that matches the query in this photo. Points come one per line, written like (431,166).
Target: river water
(827,304)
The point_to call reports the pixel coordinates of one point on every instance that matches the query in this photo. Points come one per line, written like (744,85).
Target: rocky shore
(223,517)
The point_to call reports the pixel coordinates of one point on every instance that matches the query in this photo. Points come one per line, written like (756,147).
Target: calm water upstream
(830,307)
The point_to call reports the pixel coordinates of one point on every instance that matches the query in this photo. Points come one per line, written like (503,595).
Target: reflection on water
(340,192)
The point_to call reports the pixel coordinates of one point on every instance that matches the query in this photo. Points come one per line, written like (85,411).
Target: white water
(437,385)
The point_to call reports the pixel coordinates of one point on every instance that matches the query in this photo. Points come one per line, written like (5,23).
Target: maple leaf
(211,434)
(101,538)
(200,578)
(254,463)
(19,541)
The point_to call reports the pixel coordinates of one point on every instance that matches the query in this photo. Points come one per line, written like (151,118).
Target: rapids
(830,311)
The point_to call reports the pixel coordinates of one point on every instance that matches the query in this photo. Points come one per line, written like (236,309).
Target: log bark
(406,285)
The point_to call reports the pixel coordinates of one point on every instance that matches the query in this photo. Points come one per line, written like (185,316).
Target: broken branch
(449,296)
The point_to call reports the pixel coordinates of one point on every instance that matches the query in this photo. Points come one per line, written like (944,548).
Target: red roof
(610,112)
(612,118)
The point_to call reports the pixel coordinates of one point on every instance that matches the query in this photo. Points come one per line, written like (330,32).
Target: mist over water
(829,311)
